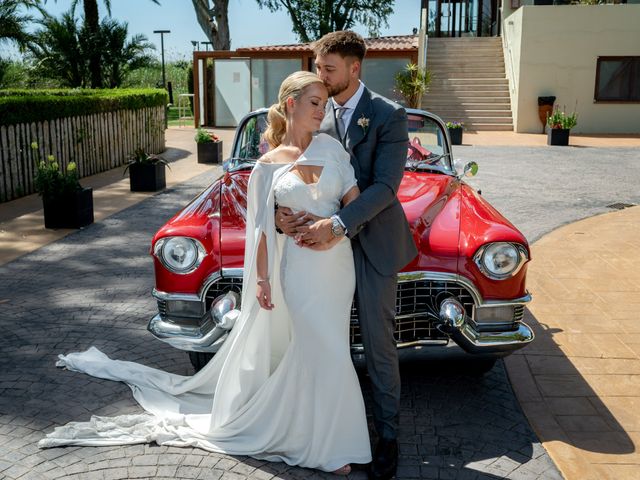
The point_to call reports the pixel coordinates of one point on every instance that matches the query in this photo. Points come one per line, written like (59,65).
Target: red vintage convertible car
(463,295)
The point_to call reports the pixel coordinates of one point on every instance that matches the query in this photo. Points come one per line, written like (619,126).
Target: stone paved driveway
(93,288)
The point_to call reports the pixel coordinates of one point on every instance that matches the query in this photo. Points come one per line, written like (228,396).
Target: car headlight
(179,254)
(501,260)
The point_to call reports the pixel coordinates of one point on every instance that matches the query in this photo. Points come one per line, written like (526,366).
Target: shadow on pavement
(559,401)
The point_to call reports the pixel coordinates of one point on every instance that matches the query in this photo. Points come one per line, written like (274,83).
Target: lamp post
(196,45)
(162,32)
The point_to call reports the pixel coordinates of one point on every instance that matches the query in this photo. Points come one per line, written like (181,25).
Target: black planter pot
(456,136)
(210,152)
(558,136)
(147,177)
(74,210)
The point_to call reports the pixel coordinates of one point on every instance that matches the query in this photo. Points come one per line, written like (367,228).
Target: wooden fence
(97,143)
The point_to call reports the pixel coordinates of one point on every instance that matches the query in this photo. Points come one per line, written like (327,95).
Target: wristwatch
(336,226)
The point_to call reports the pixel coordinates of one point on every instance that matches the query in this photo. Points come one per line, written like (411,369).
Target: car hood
(448,219)
(429,202)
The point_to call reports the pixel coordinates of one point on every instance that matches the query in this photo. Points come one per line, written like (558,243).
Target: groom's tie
(340,111)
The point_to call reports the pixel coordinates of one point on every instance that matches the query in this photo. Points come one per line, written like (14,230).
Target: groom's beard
(337,89)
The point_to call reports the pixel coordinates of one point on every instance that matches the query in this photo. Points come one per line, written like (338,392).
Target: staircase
(468,82)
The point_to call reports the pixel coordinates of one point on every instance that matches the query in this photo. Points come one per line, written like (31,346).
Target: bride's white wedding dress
(282,387)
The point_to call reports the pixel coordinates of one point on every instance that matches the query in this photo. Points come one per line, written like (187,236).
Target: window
(618,79)
(266,77)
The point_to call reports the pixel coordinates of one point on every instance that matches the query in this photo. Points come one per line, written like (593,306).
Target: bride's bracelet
(262,280)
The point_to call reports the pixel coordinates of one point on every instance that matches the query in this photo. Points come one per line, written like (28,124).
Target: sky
(248,24)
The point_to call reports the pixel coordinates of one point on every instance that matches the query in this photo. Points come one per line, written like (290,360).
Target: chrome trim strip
(185,297)
(211,279)
(443,277)
(503,303)
(232,272)
(358,348)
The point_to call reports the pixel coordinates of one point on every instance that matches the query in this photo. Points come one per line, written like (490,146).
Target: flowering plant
(204,136)
(363,122)
(454,124)
(560,119)
(51,181)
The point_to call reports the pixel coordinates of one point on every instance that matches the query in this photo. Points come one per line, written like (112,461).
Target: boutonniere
(363,122)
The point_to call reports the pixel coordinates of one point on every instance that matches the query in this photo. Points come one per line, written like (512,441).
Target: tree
(62,51)
(13,22)
(58,51)
(214,21)
(119,55)
(314,18)
(92,26)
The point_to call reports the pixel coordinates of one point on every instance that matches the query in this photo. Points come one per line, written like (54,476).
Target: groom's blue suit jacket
(378,155)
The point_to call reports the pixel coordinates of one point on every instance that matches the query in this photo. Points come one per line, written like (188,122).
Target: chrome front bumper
(201,334)
(206,337)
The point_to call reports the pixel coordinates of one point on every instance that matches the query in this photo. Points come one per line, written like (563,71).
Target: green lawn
(173,121)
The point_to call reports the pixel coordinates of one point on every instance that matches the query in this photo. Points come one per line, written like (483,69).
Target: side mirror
(470,169)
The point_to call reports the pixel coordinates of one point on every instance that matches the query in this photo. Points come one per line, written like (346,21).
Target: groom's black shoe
(385,460)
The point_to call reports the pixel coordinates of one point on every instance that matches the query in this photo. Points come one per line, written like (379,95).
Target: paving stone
(72,294)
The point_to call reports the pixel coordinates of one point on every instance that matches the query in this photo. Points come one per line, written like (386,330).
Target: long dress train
(282,387)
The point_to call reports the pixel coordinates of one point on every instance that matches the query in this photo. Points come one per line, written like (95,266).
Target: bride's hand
(263,294)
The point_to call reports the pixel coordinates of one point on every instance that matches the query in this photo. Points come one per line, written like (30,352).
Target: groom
(373,130)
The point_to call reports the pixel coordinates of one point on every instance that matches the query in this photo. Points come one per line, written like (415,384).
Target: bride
(282,387)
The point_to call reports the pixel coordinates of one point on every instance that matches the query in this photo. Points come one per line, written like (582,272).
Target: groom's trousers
(376,297)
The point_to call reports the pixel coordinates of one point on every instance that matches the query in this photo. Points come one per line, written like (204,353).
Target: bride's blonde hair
(292,86)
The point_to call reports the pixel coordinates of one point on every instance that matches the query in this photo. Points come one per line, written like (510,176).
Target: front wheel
(199,359)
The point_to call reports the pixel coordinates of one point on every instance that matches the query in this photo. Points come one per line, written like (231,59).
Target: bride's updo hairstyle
(292,86)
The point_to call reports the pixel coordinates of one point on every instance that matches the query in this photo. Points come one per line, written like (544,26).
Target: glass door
(232,91)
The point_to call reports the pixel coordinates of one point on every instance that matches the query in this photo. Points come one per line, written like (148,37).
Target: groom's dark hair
(343,42)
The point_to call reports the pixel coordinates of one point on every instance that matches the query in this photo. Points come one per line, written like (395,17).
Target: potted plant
(209,147)
(146,172)
(560,123)
(412,82)
(455,132)
(66,203)
(545,107)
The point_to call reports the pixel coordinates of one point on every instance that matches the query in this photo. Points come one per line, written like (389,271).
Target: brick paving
(93,288)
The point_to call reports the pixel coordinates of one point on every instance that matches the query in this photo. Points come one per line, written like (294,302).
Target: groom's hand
(288,222)
(318,232)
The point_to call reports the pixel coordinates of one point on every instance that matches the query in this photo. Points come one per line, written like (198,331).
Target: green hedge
(26,106)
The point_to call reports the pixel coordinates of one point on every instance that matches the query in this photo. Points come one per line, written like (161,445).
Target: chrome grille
(162,307)
(223,285)
(518,313)
(417,309)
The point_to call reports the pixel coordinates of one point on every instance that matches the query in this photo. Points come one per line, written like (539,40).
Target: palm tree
(62,51)
(58,51)
(120,56)
(13,22)
(92,25)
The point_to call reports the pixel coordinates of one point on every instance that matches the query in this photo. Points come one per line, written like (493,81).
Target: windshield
(427,144)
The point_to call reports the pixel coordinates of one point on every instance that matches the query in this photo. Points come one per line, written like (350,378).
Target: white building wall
(554,51)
